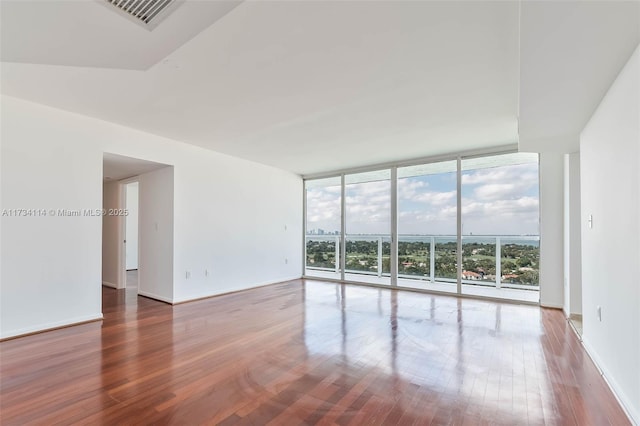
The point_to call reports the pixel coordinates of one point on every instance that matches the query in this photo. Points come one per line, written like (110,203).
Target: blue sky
(496,201)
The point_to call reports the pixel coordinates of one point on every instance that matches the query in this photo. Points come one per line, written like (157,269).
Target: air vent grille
(142,10)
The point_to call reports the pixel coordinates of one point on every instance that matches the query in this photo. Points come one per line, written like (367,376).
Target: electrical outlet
(187,274)
(599,313)
(286,261)
(206,273)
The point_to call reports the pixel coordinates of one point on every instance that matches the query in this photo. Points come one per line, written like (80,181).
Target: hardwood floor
(307,353)
(132,278)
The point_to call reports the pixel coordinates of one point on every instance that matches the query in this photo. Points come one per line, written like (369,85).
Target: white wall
(110,236)
(1,209)
(155,275)
(610,160)
(572,239)
(232,224)
(132,225)
(566,307)
(229,216)
(51,266)
(575,249)
(551,229)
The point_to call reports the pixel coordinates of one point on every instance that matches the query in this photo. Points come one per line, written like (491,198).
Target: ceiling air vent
(146,12)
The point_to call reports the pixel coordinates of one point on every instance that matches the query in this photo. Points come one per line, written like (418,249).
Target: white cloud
(436,198)
(323,209)
(521,172)
(501,217)
(496,201)
(408,188)
(498,191)
(423,210)
(368,208)
(500,208)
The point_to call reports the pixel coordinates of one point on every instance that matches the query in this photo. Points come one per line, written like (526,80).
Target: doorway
(131,191)
(137,228)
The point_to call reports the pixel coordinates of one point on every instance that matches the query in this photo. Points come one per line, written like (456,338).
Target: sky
(495,201)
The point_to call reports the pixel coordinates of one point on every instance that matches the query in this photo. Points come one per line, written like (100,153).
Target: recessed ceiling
(87,33)
(317,86)
(311,86)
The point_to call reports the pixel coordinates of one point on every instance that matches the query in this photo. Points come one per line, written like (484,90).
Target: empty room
(319,212)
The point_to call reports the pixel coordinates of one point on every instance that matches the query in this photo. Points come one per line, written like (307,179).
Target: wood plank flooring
(307,353)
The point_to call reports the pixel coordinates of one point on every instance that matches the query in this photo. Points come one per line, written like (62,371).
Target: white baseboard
(50,326)
(276,281)
(552,306)
(624,401)
(108,284)
(156,297)
(235,290)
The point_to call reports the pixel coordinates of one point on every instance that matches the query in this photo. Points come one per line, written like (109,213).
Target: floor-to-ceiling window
(368,227)
(486,205)
(323,227)
(427,226)
(500,226)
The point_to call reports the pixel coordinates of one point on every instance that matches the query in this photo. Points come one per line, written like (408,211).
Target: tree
(508,266)
(523,262)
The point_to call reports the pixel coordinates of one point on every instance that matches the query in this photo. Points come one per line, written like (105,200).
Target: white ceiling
(93,33)
(570,53)
(316,86)
(117,167)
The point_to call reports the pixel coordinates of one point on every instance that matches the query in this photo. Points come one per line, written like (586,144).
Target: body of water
(521,240)
(475,239)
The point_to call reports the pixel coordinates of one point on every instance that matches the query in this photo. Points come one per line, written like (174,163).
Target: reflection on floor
(530,296)
(304,353)
(132,278)
(576,322)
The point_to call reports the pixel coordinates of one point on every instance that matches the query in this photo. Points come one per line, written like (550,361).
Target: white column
(551,229)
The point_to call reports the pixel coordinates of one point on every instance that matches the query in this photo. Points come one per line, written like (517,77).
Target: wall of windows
(466,226)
